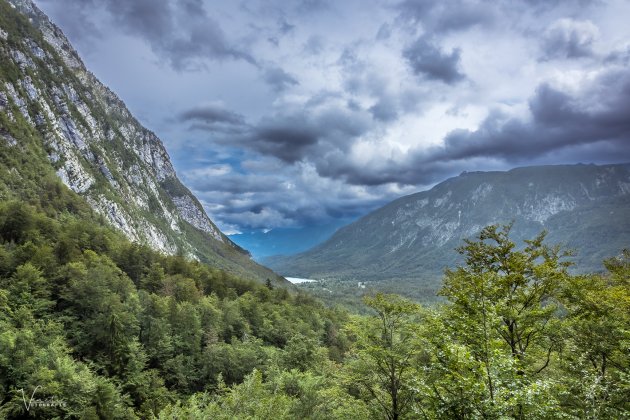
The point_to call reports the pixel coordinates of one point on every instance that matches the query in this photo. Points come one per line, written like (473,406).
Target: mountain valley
(585,208)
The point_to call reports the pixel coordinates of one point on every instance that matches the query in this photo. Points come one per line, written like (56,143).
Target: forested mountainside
(55,116)
(93,326)
(583,207)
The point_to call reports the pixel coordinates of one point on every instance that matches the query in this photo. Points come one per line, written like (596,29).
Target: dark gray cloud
(211,114)
(312,6)
(288,196)
(284,26)
(314,45)
(462,16)
(416,167)
(620,57)
(215,119)
(426,59)
(592,126)
(415,170)
(384,110)
(599,117)
(284,187)
(285,139)
(384,32)
(279,79)
(306,134)
(545,5)
(416,10)
(568,38)
(148,18)
(233,182)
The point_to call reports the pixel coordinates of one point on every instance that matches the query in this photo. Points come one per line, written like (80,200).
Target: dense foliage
(110,329)
(93,326)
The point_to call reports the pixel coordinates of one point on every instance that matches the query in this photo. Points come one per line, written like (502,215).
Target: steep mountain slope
(52,106)
(584,207)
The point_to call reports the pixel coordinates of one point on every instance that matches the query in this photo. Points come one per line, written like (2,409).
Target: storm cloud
(180,31)
(290,137)
(212,114)
(427,59)
(282,198)
(294,113)
(592,125)
(567,38)
(598,117)
(279,79)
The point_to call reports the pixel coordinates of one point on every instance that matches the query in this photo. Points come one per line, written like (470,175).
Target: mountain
(56,116)
(583,207)
(285,241)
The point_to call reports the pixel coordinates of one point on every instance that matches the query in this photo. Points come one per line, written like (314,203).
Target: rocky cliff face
(584,207)
(97,147)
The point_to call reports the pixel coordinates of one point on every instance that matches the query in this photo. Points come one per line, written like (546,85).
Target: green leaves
(118,330)
(597,360)
(27,288)
(384,358)
(519,287)
(504,314)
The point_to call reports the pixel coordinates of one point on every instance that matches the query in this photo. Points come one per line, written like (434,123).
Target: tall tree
(519,286)
(597,361)
(383,361)
(503,302)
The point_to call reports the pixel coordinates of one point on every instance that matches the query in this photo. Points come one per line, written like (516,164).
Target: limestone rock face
(189,209)
(98,149)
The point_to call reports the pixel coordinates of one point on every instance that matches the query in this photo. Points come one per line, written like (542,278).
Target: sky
(280,113)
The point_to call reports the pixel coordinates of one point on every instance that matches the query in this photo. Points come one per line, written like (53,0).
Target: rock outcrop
(98,149)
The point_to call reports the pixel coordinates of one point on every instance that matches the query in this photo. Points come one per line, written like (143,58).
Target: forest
(94,326)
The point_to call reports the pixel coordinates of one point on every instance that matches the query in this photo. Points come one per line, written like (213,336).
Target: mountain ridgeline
(583,207)
(57,118)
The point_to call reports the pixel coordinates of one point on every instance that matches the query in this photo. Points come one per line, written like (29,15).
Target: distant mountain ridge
(96,146)
(583,207)
(285,241)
